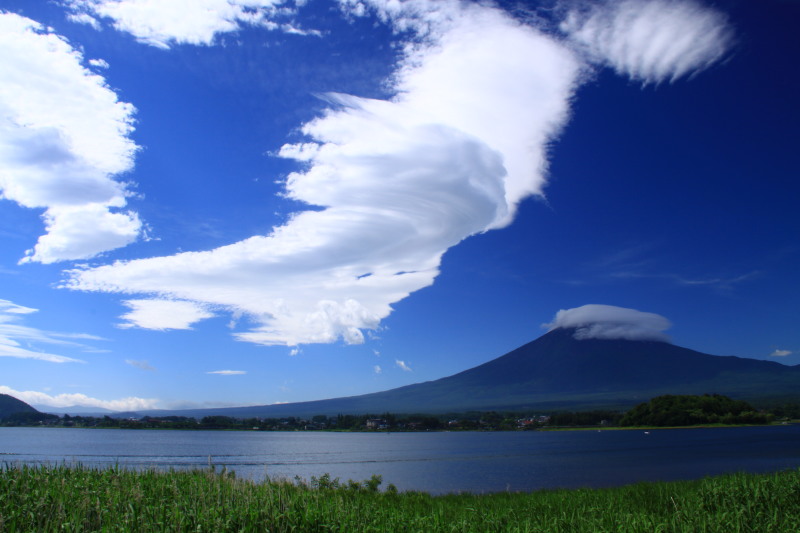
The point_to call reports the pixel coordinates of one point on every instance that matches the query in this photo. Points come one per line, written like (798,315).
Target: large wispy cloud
(64,136)
(399,182)
(595,321)
(22,342)
(394,183)
(79,400)
(163,23)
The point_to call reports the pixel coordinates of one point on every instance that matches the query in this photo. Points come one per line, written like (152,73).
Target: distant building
(377,423)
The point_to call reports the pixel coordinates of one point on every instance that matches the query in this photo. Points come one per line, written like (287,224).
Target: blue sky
(239,202)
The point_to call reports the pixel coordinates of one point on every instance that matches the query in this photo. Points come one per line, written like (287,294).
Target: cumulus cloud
(595,321)
(780,353)
(393,183)
(162,23)
(163,314)
(651,41)
(18,340)
(64,136)
(377,369)
(228,372)
(402,365)
(79,400)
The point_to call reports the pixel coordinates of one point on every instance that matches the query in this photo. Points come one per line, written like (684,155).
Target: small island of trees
(669,410)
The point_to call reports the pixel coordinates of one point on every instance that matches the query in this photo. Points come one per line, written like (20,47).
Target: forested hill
(10,405)
(691,410)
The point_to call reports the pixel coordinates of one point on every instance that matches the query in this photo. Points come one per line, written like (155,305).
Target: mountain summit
(562,370)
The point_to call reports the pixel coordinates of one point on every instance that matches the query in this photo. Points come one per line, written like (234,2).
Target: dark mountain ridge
(558,371)
(10,406)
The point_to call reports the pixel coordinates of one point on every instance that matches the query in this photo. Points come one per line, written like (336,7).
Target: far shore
(441,430)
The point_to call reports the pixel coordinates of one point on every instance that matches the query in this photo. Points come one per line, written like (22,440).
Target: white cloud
(186,404)
(84,18)
(780,353)
(77,399)
(99,63)
(7,306)
(400,182)
(162,23)
(64,135)
(78,232)
(402,365)
(11,348)
(19,341)
(595,321)
(142,365)
(163,314)
(653,40)
(377,369)
(228,372)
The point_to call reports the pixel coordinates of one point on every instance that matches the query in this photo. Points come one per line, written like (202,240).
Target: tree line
(662,411)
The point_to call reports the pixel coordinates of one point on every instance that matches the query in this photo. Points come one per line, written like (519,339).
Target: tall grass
(67,498)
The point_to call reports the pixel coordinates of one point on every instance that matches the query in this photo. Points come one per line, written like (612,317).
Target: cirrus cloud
(20,341)
(142,365)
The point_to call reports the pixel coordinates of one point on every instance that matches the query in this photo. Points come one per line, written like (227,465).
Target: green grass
(67,498)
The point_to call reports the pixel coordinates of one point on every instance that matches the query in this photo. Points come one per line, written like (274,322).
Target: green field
(66,498)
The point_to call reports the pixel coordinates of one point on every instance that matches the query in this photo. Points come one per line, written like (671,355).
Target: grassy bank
(65,498)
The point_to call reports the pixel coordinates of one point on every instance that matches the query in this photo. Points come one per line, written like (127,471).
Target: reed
(75,498)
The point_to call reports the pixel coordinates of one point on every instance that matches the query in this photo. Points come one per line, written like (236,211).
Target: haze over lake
(436,462)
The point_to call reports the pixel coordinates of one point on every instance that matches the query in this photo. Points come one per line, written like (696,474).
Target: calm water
(434,462)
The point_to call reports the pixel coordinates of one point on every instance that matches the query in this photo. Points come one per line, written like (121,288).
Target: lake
(435,462)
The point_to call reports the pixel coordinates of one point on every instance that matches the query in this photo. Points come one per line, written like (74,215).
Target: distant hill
(10,405)
(558,371)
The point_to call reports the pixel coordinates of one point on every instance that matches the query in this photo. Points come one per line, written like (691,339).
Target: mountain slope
(557,371)
(10,405)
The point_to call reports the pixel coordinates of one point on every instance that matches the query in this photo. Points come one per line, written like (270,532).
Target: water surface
(436,462)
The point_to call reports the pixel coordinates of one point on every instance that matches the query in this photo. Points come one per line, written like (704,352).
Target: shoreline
(452,430)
